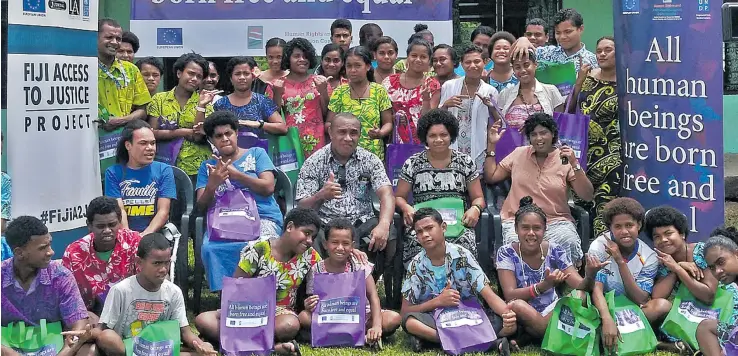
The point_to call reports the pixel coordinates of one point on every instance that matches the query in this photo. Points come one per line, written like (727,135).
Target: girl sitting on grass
(339,242)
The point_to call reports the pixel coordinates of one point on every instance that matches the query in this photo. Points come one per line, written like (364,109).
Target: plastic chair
(184,205)
(393,280)
(282,186)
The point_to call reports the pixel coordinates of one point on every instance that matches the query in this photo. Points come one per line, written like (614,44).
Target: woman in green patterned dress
(596,93)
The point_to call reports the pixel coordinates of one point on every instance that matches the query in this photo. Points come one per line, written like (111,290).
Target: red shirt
(95,276)
(408,103)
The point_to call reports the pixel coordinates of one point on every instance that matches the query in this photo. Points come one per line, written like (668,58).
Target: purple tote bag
(248,139)
(397,153)
(339,318)
(465,328)
(248,307)
(234,215)
(168,151)
(574,132)
(731,346)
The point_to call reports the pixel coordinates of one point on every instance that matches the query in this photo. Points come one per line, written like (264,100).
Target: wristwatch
(200,109)
(490,153)
(261,124)
(578,167)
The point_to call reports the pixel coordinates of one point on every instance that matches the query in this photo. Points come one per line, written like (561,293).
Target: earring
(543,258)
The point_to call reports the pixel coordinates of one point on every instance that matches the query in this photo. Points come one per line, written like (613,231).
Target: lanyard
(113,77)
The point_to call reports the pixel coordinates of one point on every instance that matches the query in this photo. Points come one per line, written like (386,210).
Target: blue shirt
(259,108)
(140,189)
(5,196)
(487,67)
(642,264)
(7,252)
(558,55)
(503,85)
(420,284)
(253,162)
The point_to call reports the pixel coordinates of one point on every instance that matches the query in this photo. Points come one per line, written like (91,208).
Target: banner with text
(223,28)
(670,89)
(52,103)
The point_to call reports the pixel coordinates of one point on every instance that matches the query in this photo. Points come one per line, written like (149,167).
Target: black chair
(282,187)
(393,276)
(496,193)
(180,211)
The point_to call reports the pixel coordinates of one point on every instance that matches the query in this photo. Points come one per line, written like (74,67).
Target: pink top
(301,107)
(517,114)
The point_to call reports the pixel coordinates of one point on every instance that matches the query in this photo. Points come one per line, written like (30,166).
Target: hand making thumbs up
(449,297)
(331,190)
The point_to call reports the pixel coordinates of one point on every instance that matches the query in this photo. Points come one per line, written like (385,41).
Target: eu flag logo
(631,5)
(34,6)
(169,36)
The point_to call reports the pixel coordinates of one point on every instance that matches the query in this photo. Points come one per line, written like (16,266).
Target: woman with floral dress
(303,96)
(412,94)
(596,91)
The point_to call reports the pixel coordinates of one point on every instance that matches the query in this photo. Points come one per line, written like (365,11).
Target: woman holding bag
(436,173)
(250,170)
(177,115)
(596,95)
(302,96)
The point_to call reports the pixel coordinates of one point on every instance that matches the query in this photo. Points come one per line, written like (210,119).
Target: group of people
(347,106)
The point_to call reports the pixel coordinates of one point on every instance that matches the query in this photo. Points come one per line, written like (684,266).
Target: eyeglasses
(341,176)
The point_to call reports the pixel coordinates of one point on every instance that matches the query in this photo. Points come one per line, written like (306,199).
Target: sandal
(684,348)
(376,346)
(415,344)
(295,346)
(502,345)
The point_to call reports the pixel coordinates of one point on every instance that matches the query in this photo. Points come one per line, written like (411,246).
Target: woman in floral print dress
(302,96)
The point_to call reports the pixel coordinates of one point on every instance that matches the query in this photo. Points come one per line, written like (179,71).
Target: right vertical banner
(670,90)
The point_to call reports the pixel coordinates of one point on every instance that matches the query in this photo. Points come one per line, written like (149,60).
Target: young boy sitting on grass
(339,244)
(440,276)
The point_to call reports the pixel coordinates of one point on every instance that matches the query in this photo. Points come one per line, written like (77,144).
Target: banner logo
(255,37)
(169,37)
(74,7)
(57,5)
(631,7)
(37,6)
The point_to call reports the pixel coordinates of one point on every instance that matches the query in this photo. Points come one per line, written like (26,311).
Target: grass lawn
(397,344)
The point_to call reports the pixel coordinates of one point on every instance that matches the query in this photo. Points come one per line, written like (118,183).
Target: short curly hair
(727,231)
(437,117)
(185,59)
(21,229)
(103,206)
(237,61)
(302,44)
(471,48)
(152,61)
(663,216)
(130,37)
(300,217)
(339,224)
(619,206)
(501,35)
(541,119)
(568,15)
(219,118)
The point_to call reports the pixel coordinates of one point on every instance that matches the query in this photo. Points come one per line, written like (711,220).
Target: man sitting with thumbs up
(440,276)
(337,180)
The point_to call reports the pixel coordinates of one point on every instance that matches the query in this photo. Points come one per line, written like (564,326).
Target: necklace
(354,92)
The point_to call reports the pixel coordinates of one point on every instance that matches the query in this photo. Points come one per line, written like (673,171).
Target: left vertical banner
(52,139)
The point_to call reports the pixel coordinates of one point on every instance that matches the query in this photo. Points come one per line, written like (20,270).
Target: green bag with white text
(635,331)
(451,210)
(157,339)
(572,313)
(687,313)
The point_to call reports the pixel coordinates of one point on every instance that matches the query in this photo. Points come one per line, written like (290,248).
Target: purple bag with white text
(339,318)
(397,153)
(234,215)
(731,345)
(465,328)
(574,132)
(509,141)
(247,312)
(168,151)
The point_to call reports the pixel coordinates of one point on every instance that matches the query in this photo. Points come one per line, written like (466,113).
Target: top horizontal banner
(420,10)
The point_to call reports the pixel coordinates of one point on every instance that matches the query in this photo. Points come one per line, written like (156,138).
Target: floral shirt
(170,115)
(259,108)
(53,295)
(302,108)
(95,276)
(257,261)
(698,254)
(503,85)
(508,258)
(557,54)
(368,111)
(407,103)
(5,191)
(362,172)
(461,268)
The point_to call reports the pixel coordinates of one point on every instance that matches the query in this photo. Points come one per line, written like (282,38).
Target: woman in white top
(472,102)
(529,96)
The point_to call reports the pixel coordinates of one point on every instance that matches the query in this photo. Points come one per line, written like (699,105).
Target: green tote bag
(635,331)
(687,313)
(42,340)
(561,75)
(571,314)
(452,211)
(286,152)
(161,338)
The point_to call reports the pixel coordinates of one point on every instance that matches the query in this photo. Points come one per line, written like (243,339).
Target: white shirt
(479,115)
(548,96)
(642,264)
